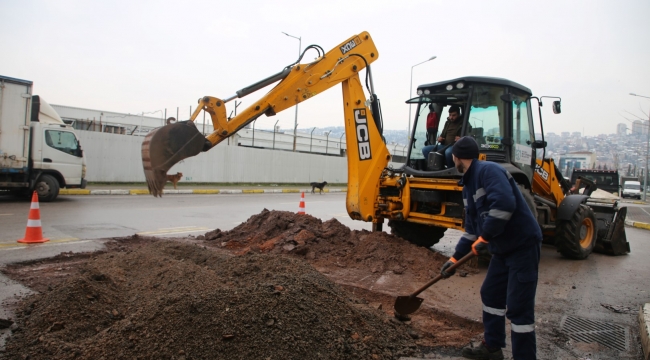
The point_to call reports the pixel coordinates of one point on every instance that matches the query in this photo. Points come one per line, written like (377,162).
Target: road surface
(601,291)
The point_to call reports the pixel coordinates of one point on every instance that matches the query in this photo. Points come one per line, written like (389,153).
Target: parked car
(631,189)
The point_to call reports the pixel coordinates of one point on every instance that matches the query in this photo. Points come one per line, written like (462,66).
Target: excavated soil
(327,244)
(279,286)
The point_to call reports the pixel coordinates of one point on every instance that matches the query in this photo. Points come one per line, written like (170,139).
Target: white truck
(38,151)
(631,189)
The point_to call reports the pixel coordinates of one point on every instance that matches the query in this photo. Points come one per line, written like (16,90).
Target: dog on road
(317,185)
(175,178)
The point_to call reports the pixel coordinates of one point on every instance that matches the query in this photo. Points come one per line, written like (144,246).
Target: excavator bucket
(165,146)
(611,230)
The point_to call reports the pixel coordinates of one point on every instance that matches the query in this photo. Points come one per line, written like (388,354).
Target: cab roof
(479,79)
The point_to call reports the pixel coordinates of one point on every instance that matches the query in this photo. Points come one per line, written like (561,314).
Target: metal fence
(117,158)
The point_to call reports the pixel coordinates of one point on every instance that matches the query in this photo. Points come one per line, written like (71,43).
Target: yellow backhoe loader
(421,199)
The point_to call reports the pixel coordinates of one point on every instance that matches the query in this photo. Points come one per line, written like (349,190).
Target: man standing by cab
(498,221)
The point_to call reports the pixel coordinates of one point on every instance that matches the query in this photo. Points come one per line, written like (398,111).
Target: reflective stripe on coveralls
(522,328)
(479,193)
(469,236)
(493,311)
(500,214)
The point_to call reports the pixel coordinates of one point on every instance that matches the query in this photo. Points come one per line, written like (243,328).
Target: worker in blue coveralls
(498,221)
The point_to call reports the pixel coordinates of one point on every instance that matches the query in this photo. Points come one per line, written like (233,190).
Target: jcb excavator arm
(367,153)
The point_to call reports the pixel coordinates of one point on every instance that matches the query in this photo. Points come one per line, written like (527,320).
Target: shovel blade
(165,146)
(405,305)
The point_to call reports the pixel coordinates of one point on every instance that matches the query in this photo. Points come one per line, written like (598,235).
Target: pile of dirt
(328,243)
(182,301)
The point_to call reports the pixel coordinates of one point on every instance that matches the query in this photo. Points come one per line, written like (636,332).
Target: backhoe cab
(422,199)
(495,112)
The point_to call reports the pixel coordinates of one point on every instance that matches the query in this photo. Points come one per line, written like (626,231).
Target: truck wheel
(418,234)
(576,238)
(47,188)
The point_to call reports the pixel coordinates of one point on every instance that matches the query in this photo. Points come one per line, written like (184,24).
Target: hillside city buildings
(626,150)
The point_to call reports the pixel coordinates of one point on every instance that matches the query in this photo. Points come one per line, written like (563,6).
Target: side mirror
(538,144)
(556,107)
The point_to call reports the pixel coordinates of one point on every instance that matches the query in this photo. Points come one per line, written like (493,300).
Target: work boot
(482,352)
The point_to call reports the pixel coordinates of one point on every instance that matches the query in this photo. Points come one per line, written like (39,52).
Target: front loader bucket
(613,241)
(165,146)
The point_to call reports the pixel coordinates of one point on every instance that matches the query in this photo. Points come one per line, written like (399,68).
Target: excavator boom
(367,153)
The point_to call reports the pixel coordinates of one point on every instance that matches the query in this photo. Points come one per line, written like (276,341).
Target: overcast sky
(143,56)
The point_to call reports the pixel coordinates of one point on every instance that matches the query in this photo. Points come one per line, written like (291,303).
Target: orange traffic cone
(301,208)
(33,233)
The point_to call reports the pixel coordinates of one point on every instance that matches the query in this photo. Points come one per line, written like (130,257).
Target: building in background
(576,160)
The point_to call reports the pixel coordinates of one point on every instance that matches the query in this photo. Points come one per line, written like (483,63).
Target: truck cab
(606,180)
(56,147)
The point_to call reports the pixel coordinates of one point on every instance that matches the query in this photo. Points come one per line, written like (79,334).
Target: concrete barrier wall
(116,158)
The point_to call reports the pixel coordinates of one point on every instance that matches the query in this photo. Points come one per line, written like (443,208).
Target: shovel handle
(458,263)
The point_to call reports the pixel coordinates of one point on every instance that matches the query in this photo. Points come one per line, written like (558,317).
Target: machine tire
(417,234)
(576,238)
(47,188)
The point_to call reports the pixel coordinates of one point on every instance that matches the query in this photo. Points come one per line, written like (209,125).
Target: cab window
(63,141)
(420,132)
(486,117)
(522,132)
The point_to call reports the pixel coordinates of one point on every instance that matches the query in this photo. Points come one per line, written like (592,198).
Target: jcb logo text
(543,173)
(363,138)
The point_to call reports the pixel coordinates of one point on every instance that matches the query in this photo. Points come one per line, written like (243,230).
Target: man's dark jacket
(496,210)
(451,130)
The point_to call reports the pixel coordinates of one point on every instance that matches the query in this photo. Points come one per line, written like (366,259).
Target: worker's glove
(480,247)
(447,273)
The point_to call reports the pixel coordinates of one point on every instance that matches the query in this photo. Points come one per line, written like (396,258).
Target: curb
(188,191)
(637,224)
(644,329)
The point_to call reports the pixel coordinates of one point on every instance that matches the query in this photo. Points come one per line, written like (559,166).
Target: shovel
(405,305)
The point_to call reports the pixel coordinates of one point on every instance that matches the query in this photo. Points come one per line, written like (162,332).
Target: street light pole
(408,136)
(274,127)
(327,142)
(647,154)
(295,126)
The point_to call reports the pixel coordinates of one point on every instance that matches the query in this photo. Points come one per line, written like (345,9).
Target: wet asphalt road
(97,216)
(567,288)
